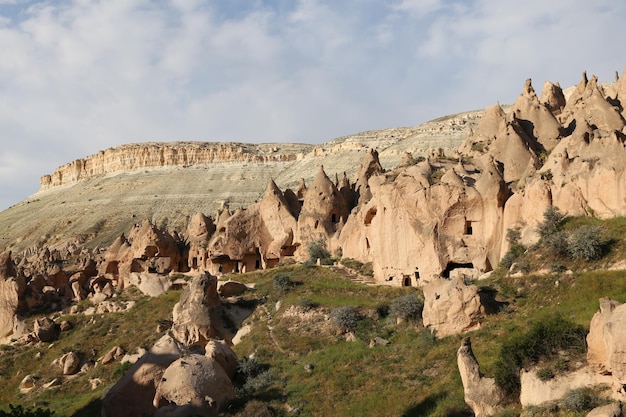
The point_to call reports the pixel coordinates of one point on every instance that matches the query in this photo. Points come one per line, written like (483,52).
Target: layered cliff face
(133,157)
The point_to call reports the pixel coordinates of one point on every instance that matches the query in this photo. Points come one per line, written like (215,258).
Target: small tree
(317,250)
(586,243)
(345,318)
(406,307)
(552,222)
(282,282)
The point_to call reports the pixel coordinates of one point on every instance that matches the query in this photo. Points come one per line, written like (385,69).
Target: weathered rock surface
(194,380)
(609,410)
(482,394)
(196,316)
(535,392)
(133,394)
(607,341)
(12,290)
(452,307)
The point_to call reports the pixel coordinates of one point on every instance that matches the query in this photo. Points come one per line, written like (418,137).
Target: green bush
(513,254)
(317,250)
(545,374)
(581,399)
(250,367)
(558,244)
(406,307)
(552,222)
(346,318)
(19,411)
(282,282)
(307,303)
(586,243)
(544,339)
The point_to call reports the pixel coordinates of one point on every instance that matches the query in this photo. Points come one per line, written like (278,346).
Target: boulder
(609,410)
(133,394)
(192,380)
(45,329)
(482,394)
(28,383)
(451,307)
(231,288)
(69,362)
(221,352)
(113,354)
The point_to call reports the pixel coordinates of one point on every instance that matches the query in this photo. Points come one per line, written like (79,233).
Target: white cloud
(83,75)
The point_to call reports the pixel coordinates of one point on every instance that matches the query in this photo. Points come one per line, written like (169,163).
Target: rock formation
(153,155)
(482,394)
(196,315)
(12,290)
(188,371)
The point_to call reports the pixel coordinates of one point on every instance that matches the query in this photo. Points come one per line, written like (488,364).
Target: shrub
(586,243)
(256,384)
(19,411)
(557,243)
(543,339)
(346,318)
(282,282)
(317,250)
(513,235)
(580,399)
(552,222)
(307,303)
(250,367)
(545,374)
(512,255)
(407,307)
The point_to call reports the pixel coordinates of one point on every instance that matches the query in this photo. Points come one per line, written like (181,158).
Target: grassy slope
(415,375)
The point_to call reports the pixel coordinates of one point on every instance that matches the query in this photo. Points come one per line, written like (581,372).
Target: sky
(79,76)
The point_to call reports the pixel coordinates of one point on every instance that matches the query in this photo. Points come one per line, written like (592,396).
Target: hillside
(102,196)
(291,336)
(514,237)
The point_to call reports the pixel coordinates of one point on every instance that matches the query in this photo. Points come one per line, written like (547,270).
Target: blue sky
(78,76)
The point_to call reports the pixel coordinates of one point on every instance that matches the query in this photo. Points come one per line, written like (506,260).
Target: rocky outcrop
(535,392)
(133,394)
(154,155)
(196,316)
(188,371)
(482,394)
(607,341)
(452,307)
(12,289)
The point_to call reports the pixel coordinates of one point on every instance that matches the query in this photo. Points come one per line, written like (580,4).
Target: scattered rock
(609,410)
(113,354)
(45,329)
(28,383)
(56,382)
(378,341)
(94,383)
